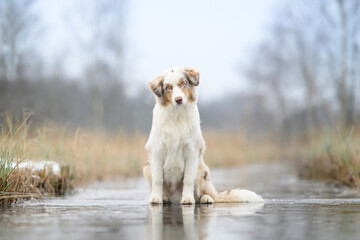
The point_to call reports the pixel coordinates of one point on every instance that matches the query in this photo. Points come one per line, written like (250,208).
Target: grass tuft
(19,183)
(333,157)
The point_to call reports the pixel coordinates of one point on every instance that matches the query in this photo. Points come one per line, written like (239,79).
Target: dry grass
(229,149)
(94,156)
(17,183)
(87,156)
(332,156)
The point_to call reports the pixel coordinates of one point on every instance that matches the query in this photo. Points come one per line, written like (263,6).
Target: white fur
(175,148)
(249,196)
(173,144)
(241,195)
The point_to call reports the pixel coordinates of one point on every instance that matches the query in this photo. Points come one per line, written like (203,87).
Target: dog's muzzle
(178,100)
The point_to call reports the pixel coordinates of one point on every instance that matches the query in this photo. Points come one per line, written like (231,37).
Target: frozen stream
(294,209)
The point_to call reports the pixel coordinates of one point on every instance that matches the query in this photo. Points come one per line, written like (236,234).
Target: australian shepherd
(176,169)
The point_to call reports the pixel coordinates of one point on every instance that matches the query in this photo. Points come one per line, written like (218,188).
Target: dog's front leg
(157,179)
(191,167)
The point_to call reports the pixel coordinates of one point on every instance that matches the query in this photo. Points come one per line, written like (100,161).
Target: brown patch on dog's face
(156,85)
(187,88)
(166,98)
(162,92)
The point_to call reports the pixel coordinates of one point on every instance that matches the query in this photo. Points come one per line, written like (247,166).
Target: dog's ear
(156,85)
(192,75)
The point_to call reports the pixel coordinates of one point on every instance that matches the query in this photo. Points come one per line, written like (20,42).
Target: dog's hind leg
(206,199)
(207,191)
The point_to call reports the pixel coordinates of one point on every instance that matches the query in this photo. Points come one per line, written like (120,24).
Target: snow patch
(39,165)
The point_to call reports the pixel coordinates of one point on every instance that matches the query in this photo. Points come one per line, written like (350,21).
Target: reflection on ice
(165,219)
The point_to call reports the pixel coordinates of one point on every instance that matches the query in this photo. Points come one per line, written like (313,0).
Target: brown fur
(187,90)
(166,98)
(190,96)
(156,85)
(204,184)
(205,176)
(192,79)
(182,80)
(192,75)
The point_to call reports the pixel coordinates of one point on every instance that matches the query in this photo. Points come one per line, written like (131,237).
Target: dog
(176,170)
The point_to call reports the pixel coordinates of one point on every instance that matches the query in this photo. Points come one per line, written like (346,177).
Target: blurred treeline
(308,67)
(95,99)
(304,75)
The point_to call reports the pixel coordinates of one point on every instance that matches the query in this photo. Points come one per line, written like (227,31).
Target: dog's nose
(178,100)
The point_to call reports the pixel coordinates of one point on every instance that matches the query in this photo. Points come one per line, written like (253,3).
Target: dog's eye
(168,88)
(182,84)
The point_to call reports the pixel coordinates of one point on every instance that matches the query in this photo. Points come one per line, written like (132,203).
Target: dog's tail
(238,196)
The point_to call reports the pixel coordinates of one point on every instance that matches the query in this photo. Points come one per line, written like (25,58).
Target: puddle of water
(294,209)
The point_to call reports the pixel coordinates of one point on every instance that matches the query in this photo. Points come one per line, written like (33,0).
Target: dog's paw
(187,200)
(206,199)
(165,199)
(155,199)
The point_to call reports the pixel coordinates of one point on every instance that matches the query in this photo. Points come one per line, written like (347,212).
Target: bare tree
(342,46)
(103,69)
(15,22)
(314,48)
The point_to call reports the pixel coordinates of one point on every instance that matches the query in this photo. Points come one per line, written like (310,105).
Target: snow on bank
(39,165)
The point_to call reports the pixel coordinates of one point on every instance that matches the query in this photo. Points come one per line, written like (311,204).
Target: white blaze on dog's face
(176,86)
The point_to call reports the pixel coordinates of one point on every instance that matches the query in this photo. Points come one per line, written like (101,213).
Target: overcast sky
(213,36)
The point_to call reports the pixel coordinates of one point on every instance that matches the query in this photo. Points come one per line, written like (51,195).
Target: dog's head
(176,86)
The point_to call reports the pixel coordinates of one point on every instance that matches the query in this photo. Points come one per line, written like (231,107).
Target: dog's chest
(174,165)
(177,132)
(177,142)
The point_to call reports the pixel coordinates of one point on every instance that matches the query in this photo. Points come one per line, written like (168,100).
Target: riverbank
(87,156)
(332,156)
(30,179)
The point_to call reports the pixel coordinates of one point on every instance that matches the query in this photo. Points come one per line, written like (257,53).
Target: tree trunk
(346,118)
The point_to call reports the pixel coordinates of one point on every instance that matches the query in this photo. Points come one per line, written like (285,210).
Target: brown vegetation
(86,156)
(19,183)
(233,148)
(333,157)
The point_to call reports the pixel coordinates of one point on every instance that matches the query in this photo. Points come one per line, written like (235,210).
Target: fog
(267,67)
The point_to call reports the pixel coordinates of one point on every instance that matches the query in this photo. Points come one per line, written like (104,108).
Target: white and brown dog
(176,169)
